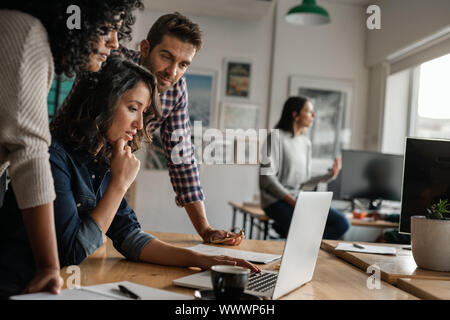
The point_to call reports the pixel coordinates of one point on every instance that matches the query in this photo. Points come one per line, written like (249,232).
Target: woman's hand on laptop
(208,261)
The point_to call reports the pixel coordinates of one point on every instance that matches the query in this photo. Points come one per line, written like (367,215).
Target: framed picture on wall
(201,84)
(239,116)
(331,99)
(237,78)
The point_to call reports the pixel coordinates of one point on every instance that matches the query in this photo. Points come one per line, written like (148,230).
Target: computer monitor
(335,187)
(371,175)
(426,177)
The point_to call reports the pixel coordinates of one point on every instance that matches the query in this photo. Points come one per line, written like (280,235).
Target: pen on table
(358,246)
(128,292)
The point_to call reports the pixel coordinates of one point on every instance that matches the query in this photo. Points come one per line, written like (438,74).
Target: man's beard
(164,75)
(146,63)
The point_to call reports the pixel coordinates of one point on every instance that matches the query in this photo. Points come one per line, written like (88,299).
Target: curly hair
(71,48)
(177,25)
(84,121)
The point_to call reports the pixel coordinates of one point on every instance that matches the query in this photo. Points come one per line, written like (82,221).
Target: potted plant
(430,237)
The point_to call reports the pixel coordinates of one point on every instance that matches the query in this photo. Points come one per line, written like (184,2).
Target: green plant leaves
(440,210)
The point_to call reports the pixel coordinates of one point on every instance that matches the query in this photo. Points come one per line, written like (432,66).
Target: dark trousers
(337,224)
(2,188)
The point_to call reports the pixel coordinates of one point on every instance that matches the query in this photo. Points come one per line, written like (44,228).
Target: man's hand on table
(222,237)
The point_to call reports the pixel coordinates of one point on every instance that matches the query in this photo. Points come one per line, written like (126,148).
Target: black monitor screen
(335,187)
(371,175)
(426,179)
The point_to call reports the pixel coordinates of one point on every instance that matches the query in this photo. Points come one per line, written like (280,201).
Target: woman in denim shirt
(92,161)
(93,165)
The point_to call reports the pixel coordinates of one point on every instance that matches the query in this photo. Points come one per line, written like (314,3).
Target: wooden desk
(392,267)
(367,223)
(333,278)
(426,289)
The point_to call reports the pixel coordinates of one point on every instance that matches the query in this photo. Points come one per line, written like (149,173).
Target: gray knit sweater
(291,168)
(26,66)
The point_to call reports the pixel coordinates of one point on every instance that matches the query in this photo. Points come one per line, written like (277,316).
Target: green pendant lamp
(308,14)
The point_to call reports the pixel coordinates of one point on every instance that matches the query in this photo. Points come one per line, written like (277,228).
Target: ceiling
(234,9)
(356,2)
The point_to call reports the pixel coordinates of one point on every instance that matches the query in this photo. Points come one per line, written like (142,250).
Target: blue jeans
(336,225)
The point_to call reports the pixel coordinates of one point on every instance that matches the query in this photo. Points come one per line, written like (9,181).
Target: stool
(258,218)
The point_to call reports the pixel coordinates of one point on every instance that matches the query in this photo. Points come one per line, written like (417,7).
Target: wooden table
(426,289)
(392,268)
(369,223)
(333,278)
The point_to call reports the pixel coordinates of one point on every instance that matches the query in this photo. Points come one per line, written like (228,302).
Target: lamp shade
(308,14)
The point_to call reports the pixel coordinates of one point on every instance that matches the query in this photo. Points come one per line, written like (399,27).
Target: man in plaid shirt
(169,49)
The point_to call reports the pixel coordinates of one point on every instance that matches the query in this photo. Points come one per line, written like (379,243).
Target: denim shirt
(80,183)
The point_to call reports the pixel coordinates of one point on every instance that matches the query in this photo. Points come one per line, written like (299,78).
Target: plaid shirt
(175,137)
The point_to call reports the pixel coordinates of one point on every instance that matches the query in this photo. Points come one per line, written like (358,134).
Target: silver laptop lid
(303,241)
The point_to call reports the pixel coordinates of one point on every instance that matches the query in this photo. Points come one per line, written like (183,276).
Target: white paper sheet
(367,248)
(251,256)
(106,291)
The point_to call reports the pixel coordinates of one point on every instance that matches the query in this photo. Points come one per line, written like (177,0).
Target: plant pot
(430,242)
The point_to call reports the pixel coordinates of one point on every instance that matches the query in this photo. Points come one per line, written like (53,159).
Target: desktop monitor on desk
(426,177)
(369,175)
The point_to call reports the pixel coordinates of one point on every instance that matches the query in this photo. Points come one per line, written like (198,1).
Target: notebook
(343,246)
(106,291)
(251,256)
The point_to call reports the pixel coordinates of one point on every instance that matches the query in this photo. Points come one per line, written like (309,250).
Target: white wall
(333,51)
(155,205)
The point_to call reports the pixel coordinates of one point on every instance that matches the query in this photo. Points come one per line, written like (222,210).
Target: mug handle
(220,285)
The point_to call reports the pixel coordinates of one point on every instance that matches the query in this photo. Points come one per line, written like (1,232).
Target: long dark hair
(293,104)
(88,114)
(71,48)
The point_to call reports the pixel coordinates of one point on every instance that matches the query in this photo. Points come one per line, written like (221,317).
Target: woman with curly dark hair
(36,42)
(93,165)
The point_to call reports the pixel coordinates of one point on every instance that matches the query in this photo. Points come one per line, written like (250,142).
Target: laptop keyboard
(262,281)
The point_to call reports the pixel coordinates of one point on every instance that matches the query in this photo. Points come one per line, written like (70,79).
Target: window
(417,104)
(433,102)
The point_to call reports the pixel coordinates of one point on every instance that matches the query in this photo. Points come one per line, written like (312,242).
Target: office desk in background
(393,268)
(370,223)
(252,213)
(333,278)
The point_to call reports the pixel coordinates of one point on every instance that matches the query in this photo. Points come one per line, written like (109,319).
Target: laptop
(299,256)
